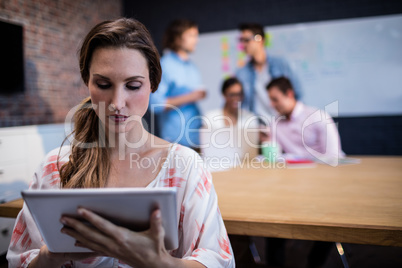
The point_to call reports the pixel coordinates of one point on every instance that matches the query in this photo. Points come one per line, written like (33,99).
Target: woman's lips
(117,118)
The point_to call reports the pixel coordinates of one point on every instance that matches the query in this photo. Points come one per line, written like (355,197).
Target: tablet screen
(127,207)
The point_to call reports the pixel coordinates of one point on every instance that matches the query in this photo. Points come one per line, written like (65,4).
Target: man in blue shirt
(175,100)
(255,76)
(260,70)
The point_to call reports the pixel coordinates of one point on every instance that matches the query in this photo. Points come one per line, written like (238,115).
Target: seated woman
(229,134)
(231,115)
(120,66)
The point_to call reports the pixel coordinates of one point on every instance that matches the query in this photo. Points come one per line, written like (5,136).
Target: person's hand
(139,249)
(190,97)
(265,134)
(51,259)
(198,94)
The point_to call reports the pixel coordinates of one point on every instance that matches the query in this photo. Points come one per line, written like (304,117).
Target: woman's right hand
(51,259)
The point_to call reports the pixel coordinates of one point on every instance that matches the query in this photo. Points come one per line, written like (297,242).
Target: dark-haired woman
(231,115)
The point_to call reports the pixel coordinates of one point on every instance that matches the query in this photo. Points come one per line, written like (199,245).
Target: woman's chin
(117,129)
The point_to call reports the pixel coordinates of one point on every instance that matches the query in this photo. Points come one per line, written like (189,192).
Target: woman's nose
(118,101)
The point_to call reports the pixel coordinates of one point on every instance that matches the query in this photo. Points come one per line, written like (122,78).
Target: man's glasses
(256,37)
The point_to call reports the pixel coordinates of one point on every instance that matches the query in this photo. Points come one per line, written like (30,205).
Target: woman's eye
(133,86)
(103,85)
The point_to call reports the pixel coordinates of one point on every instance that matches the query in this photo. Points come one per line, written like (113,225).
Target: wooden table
(11,209)
(359,203)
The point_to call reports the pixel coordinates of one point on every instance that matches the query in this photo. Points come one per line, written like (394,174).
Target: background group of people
(266,87)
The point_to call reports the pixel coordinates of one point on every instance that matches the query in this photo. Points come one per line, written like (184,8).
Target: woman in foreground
(120,66)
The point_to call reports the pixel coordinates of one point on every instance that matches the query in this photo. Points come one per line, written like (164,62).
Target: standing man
(175,100)
(260,70)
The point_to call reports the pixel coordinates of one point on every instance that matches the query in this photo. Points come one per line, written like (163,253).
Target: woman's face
(233,96)
(119,86)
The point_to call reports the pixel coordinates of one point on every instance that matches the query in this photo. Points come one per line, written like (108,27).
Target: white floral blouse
(202,233)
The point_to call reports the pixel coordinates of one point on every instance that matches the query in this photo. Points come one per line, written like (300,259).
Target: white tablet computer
(128,207)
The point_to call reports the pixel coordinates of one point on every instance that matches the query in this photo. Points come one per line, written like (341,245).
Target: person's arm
(198,92)
(193,96)
(159,101)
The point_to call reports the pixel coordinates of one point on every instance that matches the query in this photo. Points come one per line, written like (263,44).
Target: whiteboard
(353,66)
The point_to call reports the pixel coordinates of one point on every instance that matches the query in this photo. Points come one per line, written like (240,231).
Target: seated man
(301,130)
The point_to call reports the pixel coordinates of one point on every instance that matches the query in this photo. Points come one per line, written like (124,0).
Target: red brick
(52,33)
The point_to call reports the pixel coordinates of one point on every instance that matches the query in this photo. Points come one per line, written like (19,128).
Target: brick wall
(52,33)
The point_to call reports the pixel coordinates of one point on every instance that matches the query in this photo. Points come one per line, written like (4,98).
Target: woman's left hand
(142,249)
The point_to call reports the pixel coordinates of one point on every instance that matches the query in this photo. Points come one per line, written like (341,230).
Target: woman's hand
(265,134)
(142,249)
(51,259)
